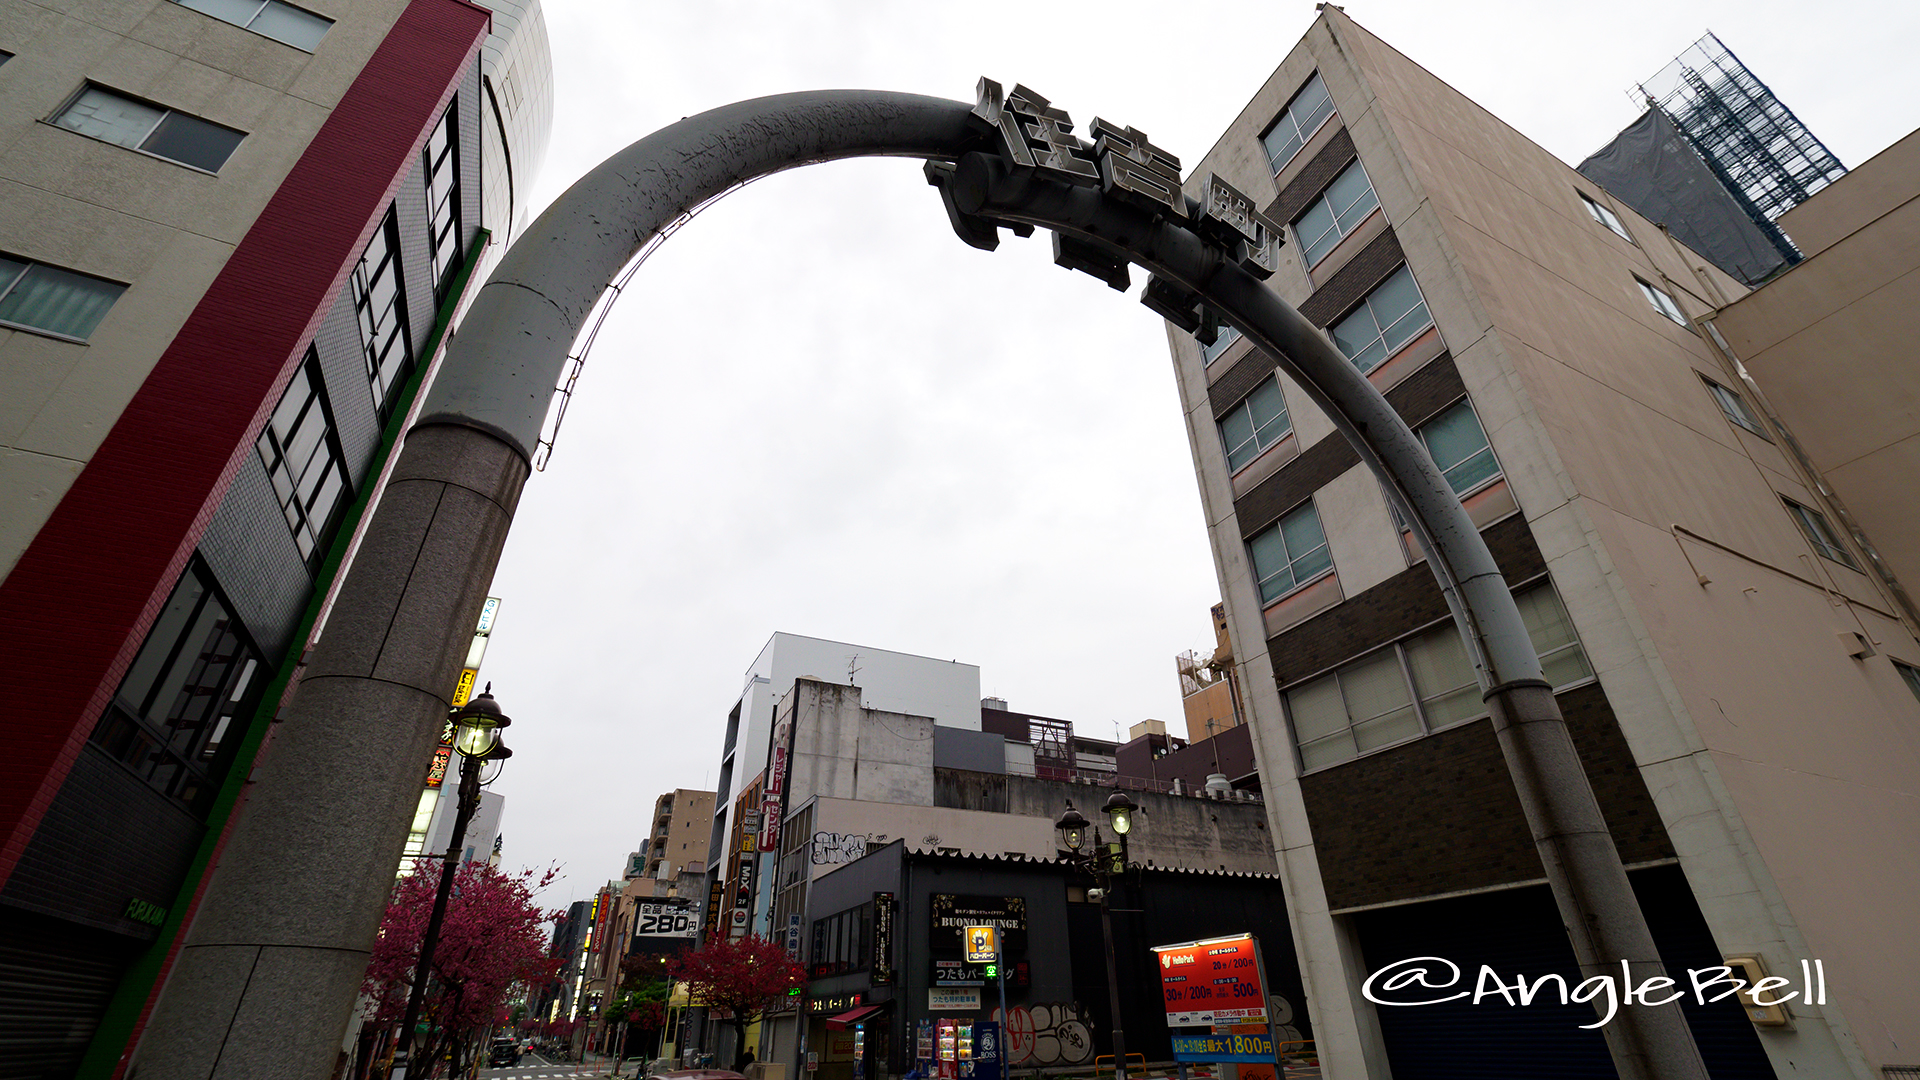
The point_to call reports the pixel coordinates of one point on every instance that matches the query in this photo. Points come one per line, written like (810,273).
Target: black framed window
(379,302)
(843,943)
(301,450)
(185,701)
(442,167)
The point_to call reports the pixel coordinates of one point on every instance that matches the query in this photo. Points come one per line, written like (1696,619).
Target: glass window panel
(1453,436)
(1268,406)
(1394,297)
(1375,686)
(106,115)
(1318,231)
(1236,429)
(1351,196)
(1298,122)
(1271,565)
(284,22)
(1331,750)
(237,12)
(1459,447)
(1911,675)
(211,618)
(1387,728)
(1317,709)
(320,510)
(1356,332)
(1406,328)
(1569,665)
(1227,336)
(1304,536)
(192,141)
(59,301)
(1442,676)
(161,638)
(10,271)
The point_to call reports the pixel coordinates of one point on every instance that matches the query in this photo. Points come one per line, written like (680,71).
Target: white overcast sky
(817,411)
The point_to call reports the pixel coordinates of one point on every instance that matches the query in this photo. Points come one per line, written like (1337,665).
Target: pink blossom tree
(494,938)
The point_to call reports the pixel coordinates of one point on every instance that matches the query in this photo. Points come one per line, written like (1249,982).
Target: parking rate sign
(1213,982)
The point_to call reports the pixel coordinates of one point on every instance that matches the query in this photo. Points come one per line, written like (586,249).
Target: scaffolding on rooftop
(1762,151)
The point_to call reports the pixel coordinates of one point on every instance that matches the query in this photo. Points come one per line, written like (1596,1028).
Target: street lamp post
(477,737)
(1104,861)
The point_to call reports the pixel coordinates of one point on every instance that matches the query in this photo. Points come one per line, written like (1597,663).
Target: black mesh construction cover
(1652,167)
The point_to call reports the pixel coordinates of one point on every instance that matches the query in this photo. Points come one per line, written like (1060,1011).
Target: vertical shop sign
(882,968)
(771,802)
(714,893)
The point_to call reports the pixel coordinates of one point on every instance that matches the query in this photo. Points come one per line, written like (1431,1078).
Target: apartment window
(379,301)
(1346,202)
(1419,685)
(1255,424)
(1301,118)
(442,167)
(186,696)
(41,297)
(1661,302)
(1604,216)
(282,22)
(1290,552)
(1226,336)
(303,458)
(1910,674)
(1393,314)
(1735,408)
(1459,447)
(103,114)
(1820,534)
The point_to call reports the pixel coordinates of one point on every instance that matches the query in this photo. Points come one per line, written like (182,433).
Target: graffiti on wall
(829,848)
(1050,1033)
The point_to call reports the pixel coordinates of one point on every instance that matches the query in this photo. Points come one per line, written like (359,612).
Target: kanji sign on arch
(1213,982)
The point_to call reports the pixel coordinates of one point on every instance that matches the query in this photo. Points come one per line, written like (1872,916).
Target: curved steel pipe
(268,973)
(502,368)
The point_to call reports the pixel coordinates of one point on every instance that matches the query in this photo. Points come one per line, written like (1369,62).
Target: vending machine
(988,1062)
(923,1046)
(946,1045)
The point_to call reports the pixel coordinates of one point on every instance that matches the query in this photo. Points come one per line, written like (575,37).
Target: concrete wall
(101,209)
(846,830)
(1831,344)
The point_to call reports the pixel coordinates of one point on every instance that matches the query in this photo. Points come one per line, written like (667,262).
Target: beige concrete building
(1732,675)
(232,239)
(1831,345)
(676,844)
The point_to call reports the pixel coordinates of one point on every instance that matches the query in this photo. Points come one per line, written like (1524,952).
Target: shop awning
(853,1016)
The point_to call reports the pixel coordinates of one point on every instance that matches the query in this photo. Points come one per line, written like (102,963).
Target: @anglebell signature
(1411,982)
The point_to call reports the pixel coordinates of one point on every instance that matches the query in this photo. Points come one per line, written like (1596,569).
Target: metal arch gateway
(265,980)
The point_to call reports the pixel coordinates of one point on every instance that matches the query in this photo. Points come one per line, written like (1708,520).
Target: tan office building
(1734,677)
